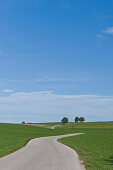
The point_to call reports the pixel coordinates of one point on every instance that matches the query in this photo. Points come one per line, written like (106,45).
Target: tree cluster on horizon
(77,119)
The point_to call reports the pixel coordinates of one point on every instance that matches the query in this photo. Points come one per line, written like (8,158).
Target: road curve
(43,154)
(53,127)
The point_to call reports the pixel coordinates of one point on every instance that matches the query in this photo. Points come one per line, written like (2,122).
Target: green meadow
(95,146)
(15,136)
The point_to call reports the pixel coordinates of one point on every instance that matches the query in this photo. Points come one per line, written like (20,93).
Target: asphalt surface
(53,127)
(43,154)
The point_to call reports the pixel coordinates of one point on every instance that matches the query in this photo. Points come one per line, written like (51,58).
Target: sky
(56,60)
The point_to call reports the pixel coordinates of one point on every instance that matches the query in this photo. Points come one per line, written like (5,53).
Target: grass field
(15,136)
(95,146)
(89,125)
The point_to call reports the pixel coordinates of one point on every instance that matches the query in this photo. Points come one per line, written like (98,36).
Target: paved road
(43,154)
(53,127)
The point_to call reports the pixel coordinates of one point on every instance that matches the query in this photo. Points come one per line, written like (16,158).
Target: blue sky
(56,59)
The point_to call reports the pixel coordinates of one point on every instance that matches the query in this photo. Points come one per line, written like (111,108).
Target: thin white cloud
(102,36)
(105,34)
(109,30)
(53,79)
(75,79)
(48,79)
(46,105)
(7,91)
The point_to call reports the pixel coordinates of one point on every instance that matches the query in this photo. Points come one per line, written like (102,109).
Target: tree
(64,120)
(81,119)
(76,119)
(23,122)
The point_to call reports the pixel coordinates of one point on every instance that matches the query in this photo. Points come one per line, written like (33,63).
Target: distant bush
(23,122)
(76,119)
(81,119)
(64,120)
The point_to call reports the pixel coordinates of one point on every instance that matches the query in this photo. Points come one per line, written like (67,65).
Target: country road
(43,154)
(53,127)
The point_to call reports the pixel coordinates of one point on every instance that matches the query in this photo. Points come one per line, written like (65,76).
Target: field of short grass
(89,125)
(15,136)
(95,146)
